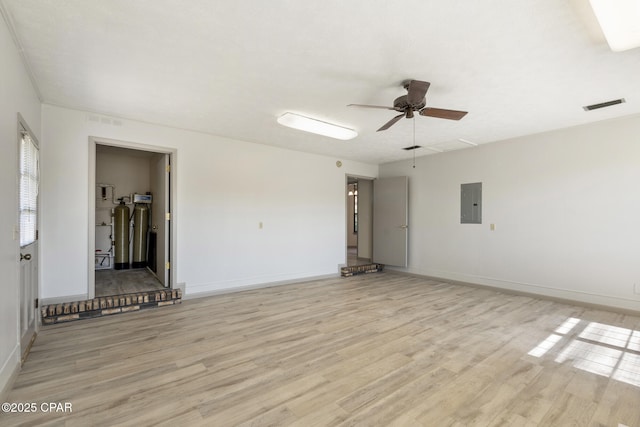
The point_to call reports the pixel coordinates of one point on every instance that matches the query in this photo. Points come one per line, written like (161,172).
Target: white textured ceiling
(231,68)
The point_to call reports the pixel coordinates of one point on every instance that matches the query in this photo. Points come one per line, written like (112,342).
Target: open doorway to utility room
(359,220)
(131,223)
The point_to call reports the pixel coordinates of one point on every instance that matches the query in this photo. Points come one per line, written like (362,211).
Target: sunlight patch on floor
(601,349)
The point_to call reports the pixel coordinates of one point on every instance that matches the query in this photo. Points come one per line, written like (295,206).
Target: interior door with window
(390,220)
(28,230)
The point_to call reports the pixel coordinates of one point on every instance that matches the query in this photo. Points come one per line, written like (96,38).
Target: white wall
(16,96)
(565,204)
(129,171)
(225,188)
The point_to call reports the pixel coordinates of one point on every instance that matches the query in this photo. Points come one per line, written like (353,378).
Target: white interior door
(390,220)
(160,208)
(28,186)
(28,295)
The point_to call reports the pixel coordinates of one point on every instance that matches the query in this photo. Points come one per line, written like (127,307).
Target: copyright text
(47,407)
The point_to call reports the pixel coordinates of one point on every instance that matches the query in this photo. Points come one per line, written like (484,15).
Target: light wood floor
(379,349)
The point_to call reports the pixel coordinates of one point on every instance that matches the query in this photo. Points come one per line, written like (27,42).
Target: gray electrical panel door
(471,203)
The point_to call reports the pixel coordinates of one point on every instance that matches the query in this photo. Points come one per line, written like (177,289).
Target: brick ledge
(105,306)
(361,269)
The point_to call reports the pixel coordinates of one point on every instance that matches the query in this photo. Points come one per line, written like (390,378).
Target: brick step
(361,269)
(105,306)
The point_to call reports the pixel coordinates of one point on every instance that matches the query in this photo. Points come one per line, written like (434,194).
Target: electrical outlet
(636,288)
(492,227)
(260,225)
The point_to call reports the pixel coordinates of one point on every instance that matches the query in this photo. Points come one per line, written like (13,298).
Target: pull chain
(414,142)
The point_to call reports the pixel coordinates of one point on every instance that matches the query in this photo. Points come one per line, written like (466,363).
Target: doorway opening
(359,245)
(376,224)
(131,245)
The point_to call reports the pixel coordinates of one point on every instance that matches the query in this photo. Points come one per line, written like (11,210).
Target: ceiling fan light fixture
(307,124)
(620,22)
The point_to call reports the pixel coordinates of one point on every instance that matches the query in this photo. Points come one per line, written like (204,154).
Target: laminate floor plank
(378,349)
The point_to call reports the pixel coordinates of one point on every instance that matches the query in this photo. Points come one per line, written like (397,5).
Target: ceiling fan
(414,100)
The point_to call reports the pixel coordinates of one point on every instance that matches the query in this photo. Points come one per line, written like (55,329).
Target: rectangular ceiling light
(319,127)
(620,22)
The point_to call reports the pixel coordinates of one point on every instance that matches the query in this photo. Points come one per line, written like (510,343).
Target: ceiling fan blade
(391,122)
(370,106)
(442,113)
(417,90)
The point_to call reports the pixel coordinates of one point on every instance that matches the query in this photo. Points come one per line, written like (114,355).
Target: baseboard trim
(606,307)
(9,373)
(204,294)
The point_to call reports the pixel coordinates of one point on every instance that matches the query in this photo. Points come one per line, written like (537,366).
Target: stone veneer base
(105,306)
(361,269)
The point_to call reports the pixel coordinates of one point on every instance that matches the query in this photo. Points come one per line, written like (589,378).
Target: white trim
(91,276)
(216,290)
(532,289)
(9,372)
(173,160)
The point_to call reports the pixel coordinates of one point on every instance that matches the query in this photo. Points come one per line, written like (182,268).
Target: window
(29,180)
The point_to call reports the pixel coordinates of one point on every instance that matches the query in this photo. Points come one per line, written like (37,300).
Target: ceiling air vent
(603,104)
(413,147)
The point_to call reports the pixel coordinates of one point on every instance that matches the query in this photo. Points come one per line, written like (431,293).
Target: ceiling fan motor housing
(401,103)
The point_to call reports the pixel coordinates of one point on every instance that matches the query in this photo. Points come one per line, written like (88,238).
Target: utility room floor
(117,282)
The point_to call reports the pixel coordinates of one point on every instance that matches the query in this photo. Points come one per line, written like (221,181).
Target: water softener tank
(121,236)
(140,229)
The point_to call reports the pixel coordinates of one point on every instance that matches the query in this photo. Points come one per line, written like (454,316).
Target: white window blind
(29,180)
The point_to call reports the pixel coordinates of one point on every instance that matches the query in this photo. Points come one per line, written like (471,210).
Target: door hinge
(36,303)
(37,234)
(167,216)
(167,265)
(168,168)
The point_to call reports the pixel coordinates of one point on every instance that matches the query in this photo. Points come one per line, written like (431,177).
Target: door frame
(346,212)
(173,154)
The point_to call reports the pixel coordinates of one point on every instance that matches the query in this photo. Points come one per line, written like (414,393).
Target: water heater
(121,236)
(140,229)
